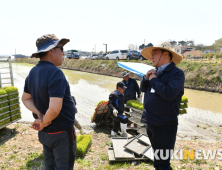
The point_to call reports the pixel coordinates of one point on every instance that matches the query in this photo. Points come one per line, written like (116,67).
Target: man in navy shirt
(163,89)
(132,88)
(47,94)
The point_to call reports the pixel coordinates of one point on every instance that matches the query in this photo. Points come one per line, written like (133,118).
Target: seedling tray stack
(137,106)
(4,109)
(9,106)
(183,105)
(83,144)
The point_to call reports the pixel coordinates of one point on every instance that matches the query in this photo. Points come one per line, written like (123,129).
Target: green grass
(83,142)
(82,161)
(33,160)
(103,156)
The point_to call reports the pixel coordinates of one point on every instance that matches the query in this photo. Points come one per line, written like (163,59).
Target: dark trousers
(117,120)
(59,149)
(162,138)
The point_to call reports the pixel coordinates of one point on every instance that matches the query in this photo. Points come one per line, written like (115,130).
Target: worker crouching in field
(116,110)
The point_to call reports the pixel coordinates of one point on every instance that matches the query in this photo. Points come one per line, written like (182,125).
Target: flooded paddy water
(205,108)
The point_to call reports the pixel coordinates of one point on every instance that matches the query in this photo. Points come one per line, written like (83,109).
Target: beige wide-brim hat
(147,52)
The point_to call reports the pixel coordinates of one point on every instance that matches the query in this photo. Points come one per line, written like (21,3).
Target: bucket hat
(48,42)
(124,74)
(147,52)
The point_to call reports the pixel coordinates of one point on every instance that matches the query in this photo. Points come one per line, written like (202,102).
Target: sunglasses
(61,47)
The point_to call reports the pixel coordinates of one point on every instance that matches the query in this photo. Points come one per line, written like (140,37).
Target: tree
(190,43)
(217,43)
(200,47)
(182,43)
(173,43)
(131,47)
(141,47)
(149,45)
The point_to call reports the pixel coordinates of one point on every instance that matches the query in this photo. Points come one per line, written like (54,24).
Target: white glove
(81,132)
(139,100)
(115,112)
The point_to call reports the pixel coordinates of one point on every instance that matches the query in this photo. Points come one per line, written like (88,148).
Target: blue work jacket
(162,103)
(132,89)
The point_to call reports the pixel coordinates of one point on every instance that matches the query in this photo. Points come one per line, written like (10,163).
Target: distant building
(19,56)
(182,49)
(194,54)
(208,51)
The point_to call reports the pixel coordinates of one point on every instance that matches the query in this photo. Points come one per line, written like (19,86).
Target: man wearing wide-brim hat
(163,89)
(132,88)
(47,94)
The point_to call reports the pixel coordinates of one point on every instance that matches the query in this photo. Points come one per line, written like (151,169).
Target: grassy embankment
(199,75)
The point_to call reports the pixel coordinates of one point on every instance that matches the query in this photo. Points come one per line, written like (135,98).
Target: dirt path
(20,149)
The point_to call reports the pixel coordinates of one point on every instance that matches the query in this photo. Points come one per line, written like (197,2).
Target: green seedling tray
(14,106)
(4,115)
(4,121)
(13,100)
(16,116)
(17,110)
(4,95)
(182,111)
(14,112)
(13,95)
(83,144)
(4,109)
(3,103)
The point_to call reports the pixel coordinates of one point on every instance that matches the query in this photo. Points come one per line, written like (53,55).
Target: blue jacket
(132,88)
(116,102)
(162,106)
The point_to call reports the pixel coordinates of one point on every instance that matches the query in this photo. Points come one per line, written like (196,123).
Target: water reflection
(89,89)
(204,100)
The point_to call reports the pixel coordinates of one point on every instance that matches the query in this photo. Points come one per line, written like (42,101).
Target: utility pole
(95,49)
(144,43)
(15,51)
(106,47)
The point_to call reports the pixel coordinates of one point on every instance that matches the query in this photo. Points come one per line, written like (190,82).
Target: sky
(91,23)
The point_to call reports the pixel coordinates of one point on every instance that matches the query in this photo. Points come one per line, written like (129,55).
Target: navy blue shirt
(161,105)
(45,80)
(132,88)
